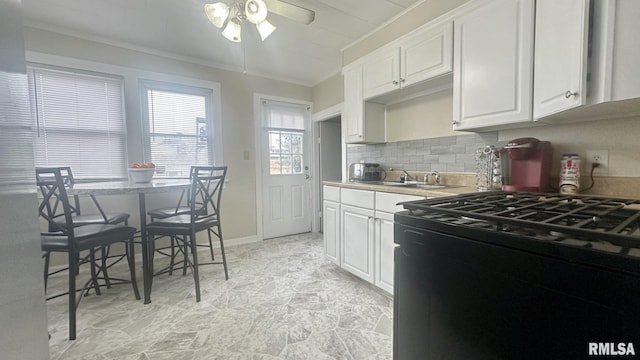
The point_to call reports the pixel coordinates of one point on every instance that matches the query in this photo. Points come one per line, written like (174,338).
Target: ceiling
(303,54)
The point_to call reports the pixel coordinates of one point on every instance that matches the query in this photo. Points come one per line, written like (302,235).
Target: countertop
(407,190)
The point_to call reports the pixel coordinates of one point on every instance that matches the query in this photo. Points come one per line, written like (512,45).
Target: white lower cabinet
(331,229)
(357,241)
(384,247)
(360,240)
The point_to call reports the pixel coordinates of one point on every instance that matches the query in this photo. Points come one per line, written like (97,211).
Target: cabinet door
(331,230)
(427,54)
(381,74)
(384,247)
(562,33)
(353,105)
(357,241)
(493,69)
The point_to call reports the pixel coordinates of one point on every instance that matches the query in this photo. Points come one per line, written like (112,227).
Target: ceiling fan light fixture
(265,28)
(255,10)
(217,13)
(233,31)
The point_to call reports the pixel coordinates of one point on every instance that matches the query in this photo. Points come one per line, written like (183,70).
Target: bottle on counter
(570,174)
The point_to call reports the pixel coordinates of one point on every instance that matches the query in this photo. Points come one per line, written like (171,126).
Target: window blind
(79,122)
(177,128)
(285,127)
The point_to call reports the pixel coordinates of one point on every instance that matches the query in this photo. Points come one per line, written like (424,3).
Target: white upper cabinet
(493,65)
(382,73)
(591,71)
(423,55)
(365,122)
(561,45)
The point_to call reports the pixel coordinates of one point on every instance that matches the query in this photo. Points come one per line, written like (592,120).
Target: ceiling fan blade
(293,12)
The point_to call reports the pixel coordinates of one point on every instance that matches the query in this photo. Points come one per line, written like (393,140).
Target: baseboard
(242,241)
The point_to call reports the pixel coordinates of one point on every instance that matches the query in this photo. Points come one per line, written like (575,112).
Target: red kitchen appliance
(526,165)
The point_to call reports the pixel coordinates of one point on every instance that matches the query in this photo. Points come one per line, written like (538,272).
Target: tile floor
(283,300)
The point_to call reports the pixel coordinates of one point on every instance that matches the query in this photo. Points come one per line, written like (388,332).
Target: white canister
(570,174)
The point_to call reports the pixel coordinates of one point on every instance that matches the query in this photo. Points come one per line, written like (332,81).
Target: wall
(239,199)
(421,118)
(328,93)
(445,154)
(620,137)
(23,334)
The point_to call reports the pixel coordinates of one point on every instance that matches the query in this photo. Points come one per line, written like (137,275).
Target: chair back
(55,202)
(206,191)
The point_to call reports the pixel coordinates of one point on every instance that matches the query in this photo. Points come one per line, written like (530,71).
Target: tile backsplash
(445,154)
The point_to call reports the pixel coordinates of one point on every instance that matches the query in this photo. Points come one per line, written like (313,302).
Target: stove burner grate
(573,219)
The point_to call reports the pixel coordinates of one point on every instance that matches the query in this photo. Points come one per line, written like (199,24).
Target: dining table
(155,186)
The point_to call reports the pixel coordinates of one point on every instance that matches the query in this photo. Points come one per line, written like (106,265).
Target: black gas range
(505,275)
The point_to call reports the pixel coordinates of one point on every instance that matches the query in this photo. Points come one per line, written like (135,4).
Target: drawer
(387,201)
(360,198)
(331,193)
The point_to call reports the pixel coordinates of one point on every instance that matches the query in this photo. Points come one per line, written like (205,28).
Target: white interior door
(286,181)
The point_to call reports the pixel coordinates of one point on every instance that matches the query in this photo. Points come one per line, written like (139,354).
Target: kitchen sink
(407,184)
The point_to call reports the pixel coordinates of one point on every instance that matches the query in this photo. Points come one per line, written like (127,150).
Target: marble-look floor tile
(283,300)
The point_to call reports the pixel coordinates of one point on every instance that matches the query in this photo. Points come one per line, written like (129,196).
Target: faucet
(405,176)
(436,177)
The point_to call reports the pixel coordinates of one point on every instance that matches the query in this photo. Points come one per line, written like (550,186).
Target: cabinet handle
(455,122)
(402,80)
(569,94)
(395,82)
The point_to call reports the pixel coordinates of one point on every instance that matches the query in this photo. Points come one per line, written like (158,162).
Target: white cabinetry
(365,122)
(331,223)
(357,234)
(493,65)
(561,45)
(365,232)
(595,63)
(423,55)
(385,207)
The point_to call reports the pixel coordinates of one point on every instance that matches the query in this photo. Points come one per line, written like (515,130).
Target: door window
(285,127)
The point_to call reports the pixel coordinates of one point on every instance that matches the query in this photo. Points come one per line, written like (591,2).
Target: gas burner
(606,224)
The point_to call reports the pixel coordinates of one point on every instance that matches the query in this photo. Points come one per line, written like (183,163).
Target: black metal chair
(79,242)
(80,219)
(204,214)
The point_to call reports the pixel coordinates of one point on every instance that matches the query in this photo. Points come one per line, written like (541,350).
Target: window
(178,127)
(284,124)
(78,121)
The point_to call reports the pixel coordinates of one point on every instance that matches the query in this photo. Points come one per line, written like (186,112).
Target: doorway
(330,158)
(285,149)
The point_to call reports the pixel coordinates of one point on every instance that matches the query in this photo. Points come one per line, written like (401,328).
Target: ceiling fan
(255,11)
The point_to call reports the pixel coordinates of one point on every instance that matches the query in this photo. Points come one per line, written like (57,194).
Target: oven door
(456,298)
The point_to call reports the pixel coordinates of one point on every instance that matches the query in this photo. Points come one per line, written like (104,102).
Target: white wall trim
(327,113)
(322,115)
(241,241)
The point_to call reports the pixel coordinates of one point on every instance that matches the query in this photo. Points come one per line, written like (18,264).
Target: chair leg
(210,244)
(173,255)
(224,258)
(72,295)
(47,257)
(131,259)
(194,256)
(105,255)
(185,260)
(94,275)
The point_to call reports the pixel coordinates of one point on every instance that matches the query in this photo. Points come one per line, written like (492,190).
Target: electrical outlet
(597,156)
